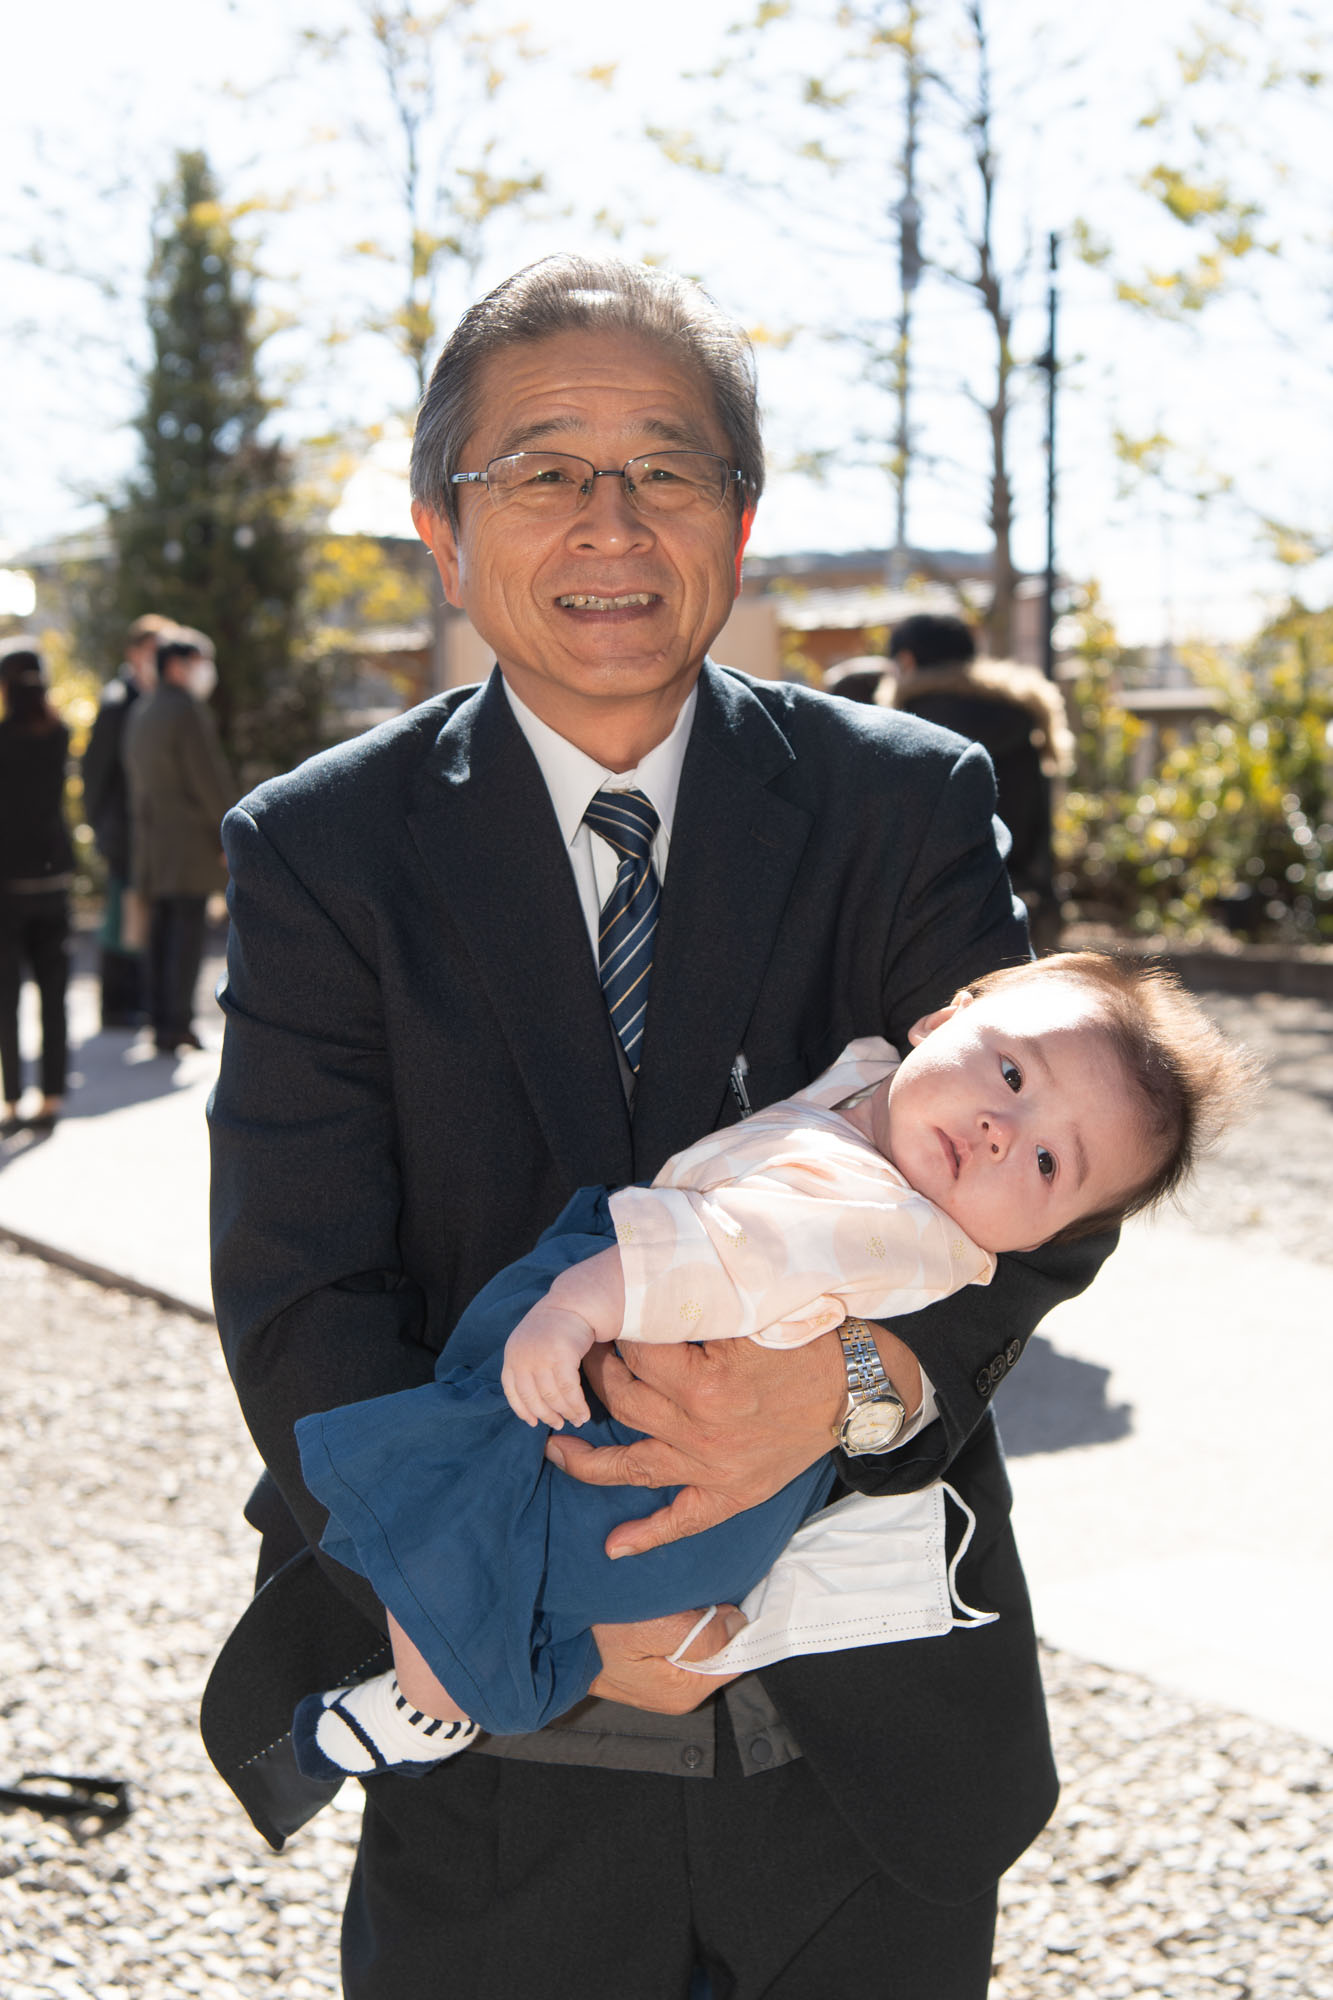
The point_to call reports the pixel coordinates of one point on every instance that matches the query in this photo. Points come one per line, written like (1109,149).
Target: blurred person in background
(106,807)
(180,785)
(36,872)
(858,679)
(1018,717)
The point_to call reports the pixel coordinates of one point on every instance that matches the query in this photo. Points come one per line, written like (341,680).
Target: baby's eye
(1011,1073)
(1045,1164)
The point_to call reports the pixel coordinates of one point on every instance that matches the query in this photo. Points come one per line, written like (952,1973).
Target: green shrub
(1236,824)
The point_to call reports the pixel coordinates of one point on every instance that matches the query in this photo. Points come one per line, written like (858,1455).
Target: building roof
(867,565)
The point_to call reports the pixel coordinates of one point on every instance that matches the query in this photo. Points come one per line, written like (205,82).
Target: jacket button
(983,1384)
(1013,1353)
(761,1750)
(691,1756)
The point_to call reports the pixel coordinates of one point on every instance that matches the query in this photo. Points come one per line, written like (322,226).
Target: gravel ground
(1191,1855)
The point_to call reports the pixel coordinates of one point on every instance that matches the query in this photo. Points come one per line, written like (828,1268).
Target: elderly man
(422,1063)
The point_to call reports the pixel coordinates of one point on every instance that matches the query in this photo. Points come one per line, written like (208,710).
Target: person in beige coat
(180,786)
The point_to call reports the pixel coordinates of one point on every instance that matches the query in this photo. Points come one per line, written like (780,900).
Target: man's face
(1014,1115)
(662,588)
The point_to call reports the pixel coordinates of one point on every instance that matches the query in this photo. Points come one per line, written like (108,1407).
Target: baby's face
(1013,1114)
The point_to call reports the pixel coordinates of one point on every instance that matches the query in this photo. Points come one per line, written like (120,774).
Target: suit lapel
(484,825)
(735,848)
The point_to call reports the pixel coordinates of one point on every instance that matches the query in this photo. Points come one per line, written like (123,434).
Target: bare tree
(437,143)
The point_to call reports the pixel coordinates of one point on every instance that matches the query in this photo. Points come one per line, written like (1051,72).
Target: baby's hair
(1191,1081)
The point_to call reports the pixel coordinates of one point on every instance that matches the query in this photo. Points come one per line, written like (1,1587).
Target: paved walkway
(1166,1433)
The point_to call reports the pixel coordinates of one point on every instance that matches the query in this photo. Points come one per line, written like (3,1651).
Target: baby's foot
(371,1727)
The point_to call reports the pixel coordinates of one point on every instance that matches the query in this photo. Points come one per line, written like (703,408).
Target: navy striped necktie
(629,915)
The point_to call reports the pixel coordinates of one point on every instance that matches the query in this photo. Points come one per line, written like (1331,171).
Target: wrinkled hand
(729,1423)
(540,1375)
(636,1668)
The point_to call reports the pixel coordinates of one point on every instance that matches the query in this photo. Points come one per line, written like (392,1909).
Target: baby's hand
(541,1367)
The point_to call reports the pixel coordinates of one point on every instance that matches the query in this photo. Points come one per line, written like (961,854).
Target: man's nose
(606,519)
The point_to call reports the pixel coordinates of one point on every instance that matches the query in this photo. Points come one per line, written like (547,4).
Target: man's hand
(729,1423)
(636,1667)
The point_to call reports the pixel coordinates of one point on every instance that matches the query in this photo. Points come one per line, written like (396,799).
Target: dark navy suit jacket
(419,1070)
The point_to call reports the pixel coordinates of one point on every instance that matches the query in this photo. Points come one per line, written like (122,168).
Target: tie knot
(627,820)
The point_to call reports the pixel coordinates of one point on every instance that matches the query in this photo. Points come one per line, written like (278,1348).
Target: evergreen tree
(204,532)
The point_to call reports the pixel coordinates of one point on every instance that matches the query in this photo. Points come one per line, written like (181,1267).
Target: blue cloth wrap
(491,1558)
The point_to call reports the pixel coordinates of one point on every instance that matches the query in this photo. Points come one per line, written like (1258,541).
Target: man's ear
(929,1022)
(437,532)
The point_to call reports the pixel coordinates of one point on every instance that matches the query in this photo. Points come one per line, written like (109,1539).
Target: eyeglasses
(555,484)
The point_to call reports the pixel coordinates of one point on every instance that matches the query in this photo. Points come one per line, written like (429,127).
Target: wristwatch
(875,1412)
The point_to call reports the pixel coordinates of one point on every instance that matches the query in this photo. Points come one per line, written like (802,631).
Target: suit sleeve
(959,918)
(313,1305)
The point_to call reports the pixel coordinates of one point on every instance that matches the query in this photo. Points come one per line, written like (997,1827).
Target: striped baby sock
(371,1727)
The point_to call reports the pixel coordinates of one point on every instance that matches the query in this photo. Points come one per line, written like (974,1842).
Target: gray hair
(566,294)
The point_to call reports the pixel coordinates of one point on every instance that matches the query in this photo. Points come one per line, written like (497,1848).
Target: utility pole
(908,212)
(1049,362)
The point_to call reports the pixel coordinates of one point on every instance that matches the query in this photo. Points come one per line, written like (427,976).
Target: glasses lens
(677,482)
(541,482)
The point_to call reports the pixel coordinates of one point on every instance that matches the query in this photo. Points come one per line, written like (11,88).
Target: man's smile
(579,600)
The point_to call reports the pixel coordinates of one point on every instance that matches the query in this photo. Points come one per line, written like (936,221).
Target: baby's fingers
(518,1390)
(562,1394)
(541,1396)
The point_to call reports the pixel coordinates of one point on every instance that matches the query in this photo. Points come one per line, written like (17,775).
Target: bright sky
(99,98)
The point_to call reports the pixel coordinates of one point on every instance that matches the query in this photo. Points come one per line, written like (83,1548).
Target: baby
(1045,1101)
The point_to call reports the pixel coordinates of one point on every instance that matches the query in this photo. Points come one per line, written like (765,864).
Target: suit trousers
(175,953)
(33,932)
(492,1878)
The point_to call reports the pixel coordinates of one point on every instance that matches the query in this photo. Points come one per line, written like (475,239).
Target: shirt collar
(573,778)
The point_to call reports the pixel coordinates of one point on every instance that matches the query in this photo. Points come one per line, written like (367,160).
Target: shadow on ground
(1054,1402)
(112,1069)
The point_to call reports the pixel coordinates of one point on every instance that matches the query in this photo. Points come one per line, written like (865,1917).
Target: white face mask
(201,678)
(868,1570)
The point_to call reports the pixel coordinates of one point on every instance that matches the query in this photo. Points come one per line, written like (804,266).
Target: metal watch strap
(865,1370)
(875,1412)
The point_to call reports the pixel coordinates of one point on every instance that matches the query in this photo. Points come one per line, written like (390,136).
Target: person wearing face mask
(180,786)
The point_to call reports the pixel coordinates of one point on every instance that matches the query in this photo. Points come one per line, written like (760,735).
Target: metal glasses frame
(735,477)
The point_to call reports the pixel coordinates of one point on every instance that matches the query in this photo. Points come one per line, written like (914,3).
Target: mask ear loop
(701,1624)
(971,1617)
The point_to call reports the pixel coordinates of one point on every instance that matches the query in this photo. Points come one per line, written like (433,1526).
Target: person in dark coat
(106,807)
(1018,716)
(180,786)
(36,872)
(426,1054)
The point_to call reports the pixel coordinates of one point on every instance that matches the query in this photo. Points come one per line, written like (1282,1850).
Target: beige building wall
(749,639)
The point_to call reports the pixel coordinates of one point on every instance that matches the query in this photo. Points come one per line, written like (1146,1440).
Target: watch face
(872,1427)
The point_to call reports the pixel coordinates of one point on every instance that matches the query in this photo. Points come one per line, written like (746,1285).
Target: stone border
(100,1274)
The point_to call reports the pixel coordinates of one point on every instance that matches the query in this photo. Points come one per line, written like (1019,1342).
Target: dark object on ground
(106,1800)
